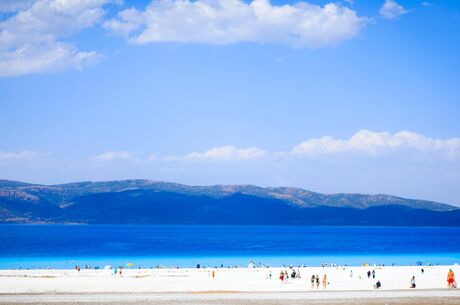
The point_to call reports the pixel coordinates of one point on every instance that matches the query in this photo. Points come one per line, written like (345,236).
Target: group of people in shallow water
(315,280)
(118,270)
(78,268)
(369,273)
(285,275)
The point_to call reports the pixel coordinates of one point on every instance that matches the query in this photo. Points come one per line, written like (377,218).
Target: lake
(63,246)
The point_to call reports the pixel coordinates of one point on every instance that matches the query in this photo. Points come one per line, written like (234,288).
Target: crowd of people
(315,280)
(292,274)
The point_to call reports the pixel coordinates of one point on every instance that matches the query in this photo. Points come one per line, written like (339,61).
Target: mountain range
(157,202)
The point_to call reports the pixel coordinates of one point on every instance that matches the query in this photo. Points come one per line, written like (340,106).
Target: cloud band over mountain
(372,143)
(363,142)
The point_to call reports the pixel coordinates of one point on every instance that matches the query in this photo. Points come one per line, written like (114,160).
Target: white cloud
(372,143)
(14,5)
(21,155)
(363,142)
(31,40)
(230,21)
(115,155)
(426,3)
(228,153)
(391,9)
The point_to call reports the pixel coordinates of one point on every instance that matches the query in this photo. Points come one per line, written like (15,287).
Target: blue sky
(347,96)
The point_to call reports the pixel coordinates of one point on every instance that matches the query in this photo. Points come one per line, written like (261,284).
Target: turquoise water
(64,246)
(227,261)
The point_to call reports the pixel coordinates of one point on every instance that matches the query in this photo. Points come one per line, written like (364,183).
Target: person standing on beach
(312,281)
(412,282)
(282,276)
(450,279)
(317,281)
(373,273)
(324,281)
(368,274)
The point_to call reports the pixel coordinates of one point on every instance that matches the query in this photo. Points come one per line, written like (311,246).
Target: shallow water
(63,246)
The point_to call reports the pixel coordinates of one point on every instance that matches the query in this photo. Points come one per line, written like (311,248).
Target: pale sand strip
(196,280)
(412,297)
(241,286)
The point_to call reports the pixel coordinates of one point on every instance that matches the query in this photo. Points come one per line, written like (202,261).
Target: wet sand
(241,286)
(421,297)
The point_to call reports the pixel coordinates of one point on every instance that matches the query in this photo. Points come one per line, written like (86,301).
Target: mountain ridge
(91,202)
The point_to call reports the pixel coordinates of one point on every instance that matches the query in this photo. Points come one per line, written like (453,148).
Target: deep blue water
(62,246)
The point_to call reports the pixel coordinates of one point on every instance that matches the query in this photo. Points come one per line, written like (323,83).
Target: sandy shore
(421,297)
(228,286)
(230,280)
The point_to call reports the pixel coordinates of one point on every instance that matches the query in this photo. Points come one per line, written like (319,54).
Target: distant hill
(157,202)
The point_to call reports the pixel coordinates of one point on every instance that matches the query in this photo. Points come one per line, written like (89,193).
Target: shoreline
(232,286)
(237,294)
(224,279)
(231,262)
(434,297)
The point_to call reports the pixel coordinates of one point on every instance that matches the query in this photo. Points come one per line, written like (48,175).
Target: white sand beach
(237,284)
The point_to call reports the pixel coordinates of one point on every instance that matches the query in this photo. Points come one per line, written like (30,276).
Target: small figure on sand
(378,285)
(368,274)
(324,281)
(373,273)
(317,281)
(451,283)
(282,276)
(312,281)
(412,282)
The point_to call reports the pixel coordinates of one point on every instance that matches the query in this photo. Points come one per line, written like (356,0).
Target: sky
(335,97)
